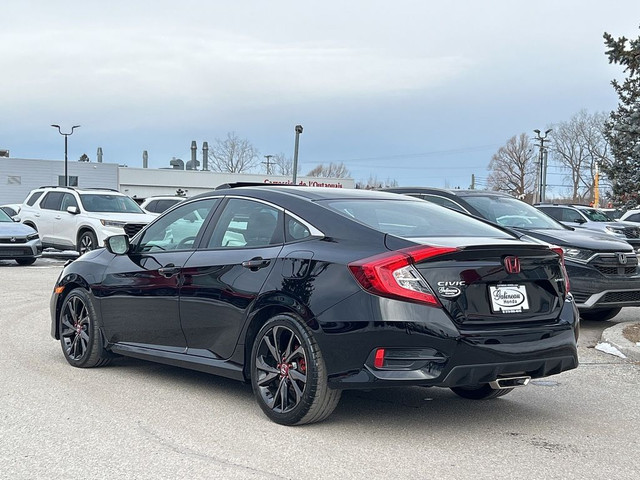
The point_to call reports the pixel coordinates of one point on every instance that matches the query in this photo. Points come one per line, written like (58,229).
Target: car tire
(80,337)
(288,373)
(25,261)
(600,314)
(87,241)
(482,392)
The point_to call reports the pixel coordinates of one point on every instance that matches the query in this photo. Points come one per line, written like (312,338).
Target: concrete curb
(613,336)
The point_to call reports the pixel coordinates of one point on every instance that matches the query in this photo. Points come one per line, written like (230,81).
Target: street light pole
(66,160)
(295,154)
(542,186)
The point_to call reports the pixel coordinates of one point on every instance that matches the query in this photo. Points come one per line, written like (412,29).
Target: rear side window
(445,202)
(413,219)
(295,230)
(52,201)
(33,198)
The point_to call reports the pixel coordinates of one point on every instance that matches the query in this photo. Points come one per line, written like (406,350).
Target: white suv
(81,219)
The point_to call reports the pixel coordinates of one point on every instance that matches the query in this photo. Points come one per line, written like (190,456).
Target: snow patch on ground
(610,349)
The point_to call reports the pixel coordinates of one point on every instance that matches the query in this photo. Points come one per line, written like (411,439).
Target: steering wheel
(185,242)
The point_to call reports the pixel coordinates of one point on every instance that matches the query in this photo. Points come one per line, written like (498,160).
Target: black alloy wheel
(79,334)
(482,392)
(87,242)
(288,373)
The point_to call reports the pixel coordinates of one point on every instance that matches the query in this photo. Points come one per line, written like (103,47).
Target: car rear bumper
(433,352)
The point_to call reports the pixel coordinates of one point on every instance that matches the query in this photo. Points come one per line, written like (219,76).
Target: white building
(18,176)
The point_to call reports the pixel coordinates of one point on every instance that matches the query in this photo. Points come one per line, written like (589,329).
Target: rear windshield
(93,202)
(510,212)
(413,219)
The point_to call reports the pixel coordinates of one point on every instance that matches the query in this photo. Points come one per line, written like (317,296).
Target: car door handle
(256,263)
(169,270)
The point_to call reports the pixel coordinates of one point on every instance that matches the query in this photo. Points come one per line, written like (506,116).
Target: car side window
(52,201)
(247,224)
(633,218)
(570,215)
(295,230)
(33,198)
(152,206)
(68,200)
(179,229)
(445,202)
(555,213)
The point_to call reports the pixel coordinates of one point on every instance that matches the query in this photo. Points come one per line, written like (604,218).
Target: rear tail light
(560,252)
(393,274)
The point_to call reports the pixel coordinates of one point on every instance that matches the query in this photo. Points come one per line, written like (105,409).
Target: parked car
(582,216)
(11,209)
(307,291)
(18,242)
(603,270)
(632,216)
(81,219)
(158,204)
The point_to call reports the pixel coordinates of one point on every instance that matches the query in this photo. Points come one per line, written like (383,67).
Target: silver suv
(81,219)
(582,216)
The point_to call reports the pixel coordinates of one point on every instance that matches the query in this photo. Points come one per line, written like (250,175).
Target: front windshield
(510,212)
(595,215)
(413,219)
(4,217)
(104,202)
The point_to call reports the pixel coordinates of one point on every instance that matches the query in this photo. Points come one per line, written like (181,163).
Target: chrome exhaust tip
(509,382)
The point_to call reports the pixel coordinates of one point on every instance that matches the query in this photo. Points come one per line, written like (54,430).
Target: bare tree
(283,164)
(373,183)
(513,168)
(233,154)
(577,146)
(333,170)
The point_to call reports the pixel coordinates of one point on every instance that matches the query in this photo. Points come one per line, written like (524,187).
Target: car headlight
(113,223)
(32,236)
(577,253)
(615,230)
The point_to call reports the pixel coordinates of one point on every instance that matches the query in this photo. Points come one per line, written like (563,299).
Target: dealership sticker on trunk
(508,298)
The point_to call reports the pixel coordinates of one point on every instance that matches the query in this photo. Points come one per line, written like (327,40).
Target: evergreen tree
(622,129)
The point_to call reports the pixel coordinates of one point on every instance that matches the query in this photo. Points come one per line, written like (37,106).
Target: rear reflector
(378,361)
(393,274)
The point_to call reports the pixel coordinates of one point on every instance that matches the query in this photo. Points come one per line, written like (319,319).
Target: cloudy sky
(422,92)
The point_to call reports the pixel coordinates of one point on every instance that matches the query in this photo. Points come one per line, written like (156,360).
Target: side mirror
(73,210)
(579,220)
(117,244)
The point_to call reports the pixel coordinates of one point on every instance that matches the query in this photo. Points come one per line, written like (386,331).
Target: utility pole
(268,163)
(473,182)
(542,167)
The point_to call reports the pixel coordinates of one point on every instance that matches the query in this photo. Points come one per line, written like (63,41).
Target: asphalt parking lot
(136,419)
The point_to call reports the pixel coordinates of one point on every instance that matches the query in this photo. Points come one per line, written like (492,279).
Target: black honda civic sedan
(305,292)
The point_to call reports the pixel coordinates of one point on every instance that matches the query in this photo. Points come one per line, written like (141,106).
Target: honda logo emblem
(622,258)
(512,264)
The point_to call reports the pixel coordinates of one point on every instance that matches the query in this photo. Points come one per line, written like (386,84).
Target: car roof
(451,191)
(308,193)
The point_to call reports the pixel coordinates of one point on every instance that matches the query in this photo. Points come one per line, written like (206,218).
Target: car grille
(14,241)
(132,228)
(632,232)
(616,297)
(580,297)
(15,252)
(610,265)
(616,270)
